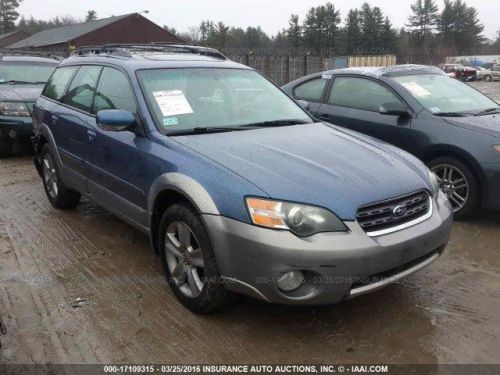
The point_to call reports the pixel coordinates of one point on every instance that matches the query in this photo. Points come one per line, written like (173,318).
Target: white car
(484,74)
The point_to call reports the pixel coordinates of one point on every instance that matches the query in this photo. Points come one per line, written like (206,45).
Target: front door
(118,160)
(354,103)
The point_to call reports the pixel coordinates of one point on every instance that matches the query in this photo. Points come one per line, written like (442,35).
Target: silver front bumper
(252,259)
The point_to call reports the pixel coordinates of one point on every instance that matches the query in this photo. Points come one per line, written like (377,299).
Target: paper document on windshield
(416,89)
(172,103)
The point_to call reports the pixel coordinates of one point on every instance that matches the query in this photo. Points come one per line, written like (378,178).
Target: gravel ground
(83,286)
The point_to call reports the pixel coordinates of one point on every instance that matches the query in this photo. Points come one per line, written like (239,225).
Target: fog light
(290,281)
(13,134)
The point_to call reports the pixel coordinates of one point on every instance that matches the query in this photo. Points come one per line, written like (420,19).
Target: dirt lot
(492,89)
(447,313)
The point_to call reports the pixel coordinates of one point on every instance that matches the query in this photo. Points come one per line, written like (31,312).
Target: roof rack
(127,50)
(20,52)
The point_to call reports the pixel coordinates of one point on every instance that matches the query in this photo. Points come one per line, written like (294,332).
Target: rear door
(65,124)
(353,102)
(73,119)
(118,160)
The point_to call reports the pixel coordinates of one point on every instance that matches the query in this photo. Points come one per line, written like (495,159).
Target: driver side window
(114,92)
(360,93)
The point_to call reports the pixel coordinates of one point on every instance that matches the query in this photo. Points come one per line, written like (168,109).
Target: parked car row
(242,189)
(468,73)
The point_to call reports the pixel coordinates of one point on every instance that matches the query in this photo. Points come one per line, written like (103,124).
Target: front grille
(393,212)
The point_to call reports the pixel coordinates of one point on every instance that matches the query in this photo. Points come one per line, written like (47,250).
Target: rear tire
(488,78)
(189,261)
(458,183)
(5,147)
(59,195)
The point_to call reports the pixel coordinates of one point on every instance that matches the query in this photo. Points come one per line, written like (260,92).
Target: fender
(44,130)
(185,185)
(189,188)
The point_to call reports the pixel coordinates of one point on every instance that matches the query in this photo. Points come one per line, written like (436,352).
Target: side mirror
(115,120)
(393,109)
(305,105)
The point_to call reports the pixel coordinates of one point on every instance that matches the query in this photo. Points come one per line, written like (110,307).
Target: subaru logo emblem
(400,211)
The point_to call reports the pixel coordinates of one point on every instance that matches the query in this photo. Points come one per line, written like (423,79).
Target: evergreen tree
(352,31)
(372,24)
(321,27)
(221,35)
(423,20)
(388,37)
(294,31)
(91,16)
(459,27)
(8,14)
(446,22)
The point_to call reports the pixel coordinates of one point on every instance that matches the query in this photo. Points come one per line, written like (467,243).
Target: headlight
(434,182)
(14,109)
(302,220)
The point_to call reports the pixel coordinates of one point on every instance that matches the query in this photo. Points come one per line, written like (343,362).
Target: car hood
(315,164)
(489,124)
(25,93)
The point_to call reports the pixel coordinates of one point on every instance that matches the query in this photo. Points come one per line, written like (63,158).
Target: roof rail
(20,52)
(127,50)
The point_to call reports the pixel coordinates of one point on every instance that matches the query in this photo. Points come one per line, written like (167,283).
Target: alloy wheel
(50,176)
(453,184)
(184,259)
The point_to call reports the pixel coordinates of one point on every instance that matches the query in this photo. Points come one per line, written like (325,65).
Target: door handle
(54,119)
(91,134)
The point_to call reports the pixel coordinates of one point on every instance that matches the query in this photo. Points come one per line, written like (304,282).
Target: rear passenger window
(56,86)
(114,92)
(360,93)
(311,90)
(81,91)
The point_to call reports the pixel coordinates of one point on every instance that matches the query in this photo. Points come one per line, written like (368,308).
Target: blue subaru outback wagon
(238,188)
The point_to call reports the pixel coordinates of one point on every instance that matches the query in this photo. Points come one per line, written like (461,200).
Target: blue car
(239,190)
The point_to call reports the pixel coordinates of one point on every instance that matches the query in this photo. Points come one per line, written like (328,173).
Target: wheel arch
(172,188)
(464,157)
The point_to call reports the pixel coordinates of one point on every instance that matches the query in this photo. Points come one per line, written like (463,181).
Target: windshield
(185,99)
(442,94)
(25,72)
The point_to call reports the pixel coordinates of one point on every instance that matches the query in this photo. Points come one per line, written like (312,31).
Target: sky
(271,15)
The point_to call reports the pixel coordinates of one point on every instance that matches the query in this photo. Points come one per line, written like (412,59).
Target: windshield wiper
(15,81)
(487,111)
(450,114)
(264,124)
(203,130)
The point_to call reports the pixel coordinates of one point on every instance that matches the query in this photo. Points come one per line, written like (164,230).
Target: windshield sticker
(172,103)
(170,121)
(416,89)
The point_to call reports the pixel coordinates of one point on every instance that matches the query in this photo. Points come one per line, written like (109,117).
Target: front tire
(5,147)
(488,78)
(189,261)
(458,183)
(59,195)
